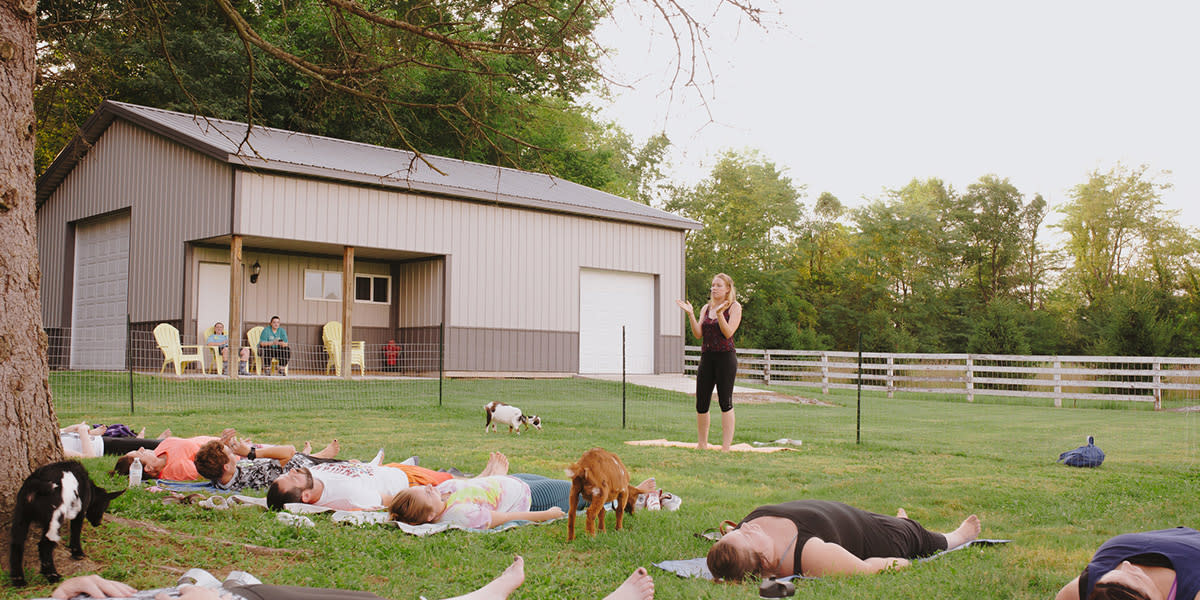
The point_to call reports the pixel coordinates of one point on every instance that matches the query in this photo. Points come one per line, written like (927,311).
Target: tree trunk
(28,426)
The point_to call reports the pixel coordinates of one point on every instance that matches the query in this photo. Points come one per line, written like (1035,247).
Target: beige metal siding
(420,299)
(174,194)
(511,269)
(280,288)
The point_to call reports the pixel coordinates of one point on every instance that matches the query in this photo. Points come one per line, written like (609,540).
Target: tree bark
(28,426)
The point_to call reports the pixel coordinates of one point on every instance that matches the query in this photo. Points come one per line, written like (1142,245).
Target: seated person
(273,344)
(1151,565)
(352,486)
(220,340)
(98,440)
(239,465)
(818,537)
(489,500)
(638,586)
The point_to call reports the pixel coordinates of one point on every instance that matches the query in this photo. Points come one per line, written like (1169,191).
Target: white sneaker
(671,501)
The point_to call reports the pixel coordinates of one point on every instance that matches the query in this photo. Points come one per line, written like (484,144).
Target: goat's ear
(112,495)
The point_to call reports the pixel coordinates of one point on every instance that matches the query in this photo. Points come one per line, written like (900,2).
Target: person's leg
(120,445)
(638,586)
(545,492)
(329,451)
(500,587)
(497,464)
(726,373)
(968,531)
(903,537)
(705,379)
(285,354)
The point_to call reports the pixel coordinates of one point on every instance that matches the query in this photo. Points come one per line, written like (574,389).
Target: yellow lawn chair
(331,336)
(218,364)
(167,338)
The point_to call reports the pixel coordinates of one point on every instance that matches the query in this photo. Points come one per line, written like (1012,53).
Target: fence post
(891,385)
(1057,382)
(1157,385)
(858,409)
(970,379)
(824,373)
(441,359)
(622,377)
(767,367)
(129,356)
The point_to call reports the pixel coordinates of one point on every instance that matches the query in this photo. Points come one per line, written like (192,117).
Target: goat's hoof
(77,554)
(17,581)
(52,577)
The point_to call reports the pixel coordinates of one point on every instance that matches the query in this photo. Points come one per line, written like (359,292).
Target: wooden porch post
(235,303)
(347,307)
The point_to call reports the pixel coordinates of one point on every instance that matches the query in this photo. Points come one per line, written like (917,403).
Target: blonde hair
(728,281)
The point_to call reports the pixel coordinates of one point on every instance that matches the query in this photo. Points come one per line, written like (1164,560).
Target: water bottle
(135,473)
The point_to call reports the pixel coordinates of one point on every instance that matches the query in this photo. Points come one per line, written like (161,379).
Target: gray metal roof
(315,156)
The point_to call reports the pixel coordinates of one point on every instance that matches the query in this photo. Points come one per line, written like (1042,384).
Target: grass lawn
(941,460)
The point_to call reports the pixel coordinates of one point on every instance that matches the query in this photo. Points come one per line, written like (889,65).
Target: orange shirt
(180,453)
(421,475)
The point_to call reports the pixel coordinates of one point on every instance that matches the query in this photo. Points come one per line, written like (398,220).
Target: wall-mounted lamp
(255,269)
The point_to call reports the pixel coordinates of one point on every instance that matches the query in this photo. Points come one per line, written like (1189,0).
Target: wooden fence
(1115,378)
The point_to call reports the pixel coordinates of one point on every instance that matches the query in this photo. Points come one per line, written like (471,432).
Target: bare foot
(500,587)
(724,448)
(166,433)
(330,451)
(901,514)
(142,433)
(638,586)
(968,531)
(702,445)
(497,464)
(647,486)
(307,447)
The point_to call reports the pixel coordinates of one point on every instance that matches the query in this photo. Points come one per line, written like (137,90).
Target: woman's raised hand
(685,305)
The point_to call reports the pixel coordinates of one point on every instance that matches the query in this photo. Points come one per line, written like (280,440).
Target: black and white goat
(506,414)
(51,496)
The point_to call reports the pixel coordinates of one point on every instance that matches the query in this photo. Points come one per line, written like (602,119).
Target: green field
(939,459)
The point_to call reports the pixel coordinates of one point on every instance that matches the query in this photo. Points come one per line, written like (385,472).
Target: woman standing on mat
(818,537)
(719,319)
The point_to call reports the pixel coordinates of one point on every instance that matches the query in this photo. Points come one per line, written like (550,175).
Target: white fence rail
(1116,378)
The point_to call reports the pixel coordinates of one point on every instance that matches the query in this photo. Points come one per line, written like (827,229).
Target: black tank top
(864,534)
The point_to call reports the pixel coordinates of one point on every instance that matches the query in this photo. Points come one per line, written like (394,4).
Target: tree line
(927,268)
(923,268)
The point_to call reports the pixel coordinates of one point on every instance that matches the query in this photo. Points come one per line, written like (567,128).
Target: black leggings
(120,445)
(720,369)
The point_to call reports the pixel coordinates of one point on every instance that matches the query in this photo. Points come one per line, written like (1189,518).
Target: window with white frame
(372,288)
(323,285)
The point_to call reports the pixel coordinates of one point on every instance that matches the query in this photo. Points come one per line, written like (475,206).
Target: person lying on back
(238,465)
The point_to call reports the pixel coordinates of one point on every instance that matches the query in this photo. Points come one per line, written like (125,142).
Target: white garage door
(99,298)
(608,300)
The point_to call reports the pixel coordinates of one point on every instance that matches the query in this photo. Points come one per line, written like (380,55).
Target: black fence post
(441,359)
(622,377)
(858,416)
(129,357)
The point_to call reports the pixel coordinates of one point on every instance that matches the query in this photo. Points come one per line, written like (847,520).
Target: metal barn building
(146,211)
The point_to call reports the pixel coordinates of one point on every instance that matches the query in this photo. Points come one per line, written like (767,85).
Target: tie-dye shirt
(470,502)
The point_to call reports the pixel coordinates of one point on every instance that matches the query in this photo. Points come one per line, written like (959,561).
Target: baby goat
(499,412)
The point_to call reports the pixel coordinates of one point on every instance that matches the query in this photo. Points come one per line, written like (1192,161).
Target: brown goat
(601,477)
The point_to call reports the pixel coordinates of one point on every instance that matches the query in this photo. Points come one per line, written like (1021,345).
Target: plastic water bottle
(135,473)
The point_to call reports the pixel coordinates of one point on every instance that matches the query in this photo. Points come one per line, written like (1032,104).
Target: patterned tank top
(714,340)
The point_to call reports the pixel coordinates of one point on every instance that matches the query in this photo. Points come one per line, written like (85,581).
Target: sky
(855,97)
